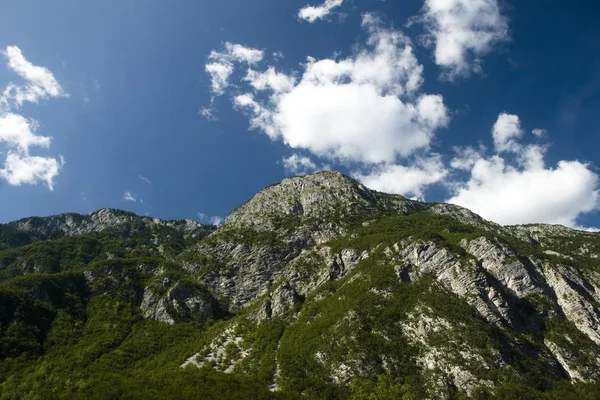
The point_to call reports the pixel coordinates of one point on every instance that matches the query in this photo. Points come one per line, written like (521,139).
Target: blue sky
(186,109)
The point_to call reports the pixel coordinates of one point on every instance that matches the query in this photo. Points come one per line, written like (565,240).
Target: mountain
(315,288)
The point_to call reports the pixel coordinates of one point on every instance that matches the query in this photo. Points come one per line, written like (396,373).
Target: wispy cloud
(145,180)
(40,83)
(127,196)
(212,220)
(539,132)
(221,64)
(297,164)
(314,13)
(220,67)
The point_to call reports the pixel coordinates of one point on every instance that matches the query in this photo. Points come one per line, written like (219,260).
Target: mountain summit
(317,287)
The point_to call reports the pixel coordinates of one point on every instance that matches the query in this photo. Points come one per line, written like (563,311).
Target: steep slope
(316,286)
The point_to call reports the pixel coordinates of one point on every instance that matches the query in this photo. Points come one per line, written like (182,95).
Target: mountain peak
(316,195)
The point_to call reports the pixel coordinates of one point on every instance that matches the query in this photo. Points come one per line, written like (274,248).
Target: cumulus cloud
(528,191)
(18,133)
(366,108)
(20,168)
(313,13)
(405,180)
(127,196)
(212,220)
(461,32)
(297,165)
(505,132)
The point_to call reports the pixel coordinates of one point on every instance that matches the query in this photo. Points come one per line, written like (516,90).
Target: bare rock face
(464,277)
(577,298)
(505,266)
(279,302)
(180,303)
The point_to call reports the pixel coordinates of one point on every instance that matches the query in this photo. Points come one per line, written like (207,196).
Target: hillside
(315,288)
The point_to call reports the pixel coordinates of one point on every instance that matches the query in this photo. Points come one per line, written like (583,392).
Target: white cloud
(462,31)
(127,196)
(506,129)
(19,132)
(271,80)
(261,117)
(405,180)
(313,13)
(364,108)
(40,83)
(432,111)
(508,195)
(20,168)
(539,132)
(240,53)
(208,113)
(529,191)
(219,73)
(587,229)
(466,157)
(212,220)
(297,165)
(221,64)
(145,180)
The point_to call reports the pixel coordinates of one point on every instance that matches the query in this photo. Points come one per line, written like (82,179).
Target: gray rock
(577,299)
(180,303)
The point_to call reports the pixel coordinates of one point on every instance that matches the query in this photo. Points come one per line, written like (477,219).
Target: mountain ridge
(316,286)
